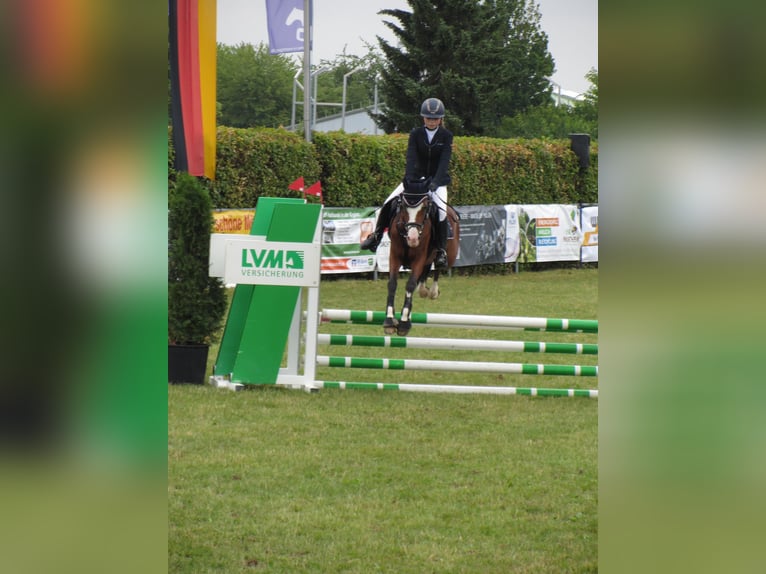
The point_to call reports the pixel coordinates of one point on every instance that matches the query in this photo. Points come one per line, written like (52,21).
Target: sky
(571,25)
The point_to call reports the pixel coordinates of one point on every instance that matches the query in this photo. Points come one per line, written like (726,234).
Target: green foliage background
(360,171)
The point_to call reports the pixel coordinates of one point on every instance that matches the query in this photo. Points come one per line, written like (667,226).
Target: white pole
(375,110)
(315,74)
(343,109)
(296,83)
(307,34)
(316,91)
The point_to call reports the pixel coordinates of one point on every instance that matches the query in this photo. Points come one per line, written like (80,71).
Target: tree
(553,121)
(196,301)
(546,121)
(255,88)
(486,59)
(588,107)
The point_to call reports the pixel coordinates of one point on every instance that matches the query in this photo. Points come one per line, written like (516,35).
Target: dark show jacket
(429,159)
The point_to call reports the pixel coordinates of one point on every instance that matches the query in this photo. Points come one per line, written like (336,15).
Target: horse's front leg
(405,321)
(389,324)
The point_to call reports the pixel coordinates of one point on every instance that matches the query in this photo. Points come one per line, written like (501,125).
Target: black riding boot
(441,243)
(374,238)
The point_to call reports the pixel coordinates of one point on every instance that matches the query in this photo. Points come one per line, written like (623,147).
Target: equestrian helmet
(432,108)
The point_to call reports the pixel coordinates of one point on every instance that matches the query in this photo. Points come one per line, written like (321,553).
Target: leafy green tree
(255,88)
(588,107)
(553,121)
(486,59)
(546,121)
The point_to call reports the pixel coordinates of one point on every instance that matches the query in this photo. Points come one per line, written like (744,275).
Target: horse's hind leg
(452,249)
(423,290)
(434,292)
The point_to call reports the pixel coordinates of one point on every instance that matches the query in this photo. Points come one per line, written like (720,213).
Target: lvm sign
(253,260)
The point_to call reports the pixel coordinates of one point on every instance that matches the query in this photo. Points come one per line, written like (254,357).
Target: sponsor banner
(259,262)
(359,264)
(343,229)
(285,22)
(233,220)
(512,238)
(489,234)
(483,231)
(549,233)
(589,226)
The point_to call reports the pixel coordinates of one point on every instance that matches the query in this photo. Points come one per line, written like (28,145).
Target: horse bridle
(404,228)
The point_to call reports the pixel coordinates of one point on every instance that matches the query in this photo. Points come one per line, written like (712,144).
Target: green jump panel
(243,294)
(267,326)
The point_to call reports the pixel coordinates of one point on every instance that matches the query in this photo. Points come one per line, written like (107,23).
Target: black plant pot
(187,363)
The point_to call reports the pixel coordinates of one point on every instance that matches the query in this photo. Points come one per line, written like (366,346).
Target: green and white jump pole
(460,389)
(446,320)
(457,366)
(457,344)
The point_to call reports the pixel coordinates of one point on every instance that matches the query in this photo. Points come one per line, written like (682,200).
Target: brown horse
(411,232)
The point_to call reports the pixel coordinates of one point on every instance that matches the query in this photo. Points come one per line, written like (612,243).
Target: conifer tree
(485,59)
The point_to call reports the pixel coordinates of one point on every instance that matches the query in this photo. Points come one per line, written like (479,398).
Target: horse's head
(413,217)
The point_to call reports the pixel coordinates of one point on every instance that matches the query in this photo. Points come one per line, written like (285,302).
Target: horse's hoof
(389,326)
(434,293)
(424,292)
(403,328)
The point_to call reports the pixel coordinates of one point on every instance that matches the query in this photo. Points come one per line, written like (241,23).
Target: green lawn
(273,480)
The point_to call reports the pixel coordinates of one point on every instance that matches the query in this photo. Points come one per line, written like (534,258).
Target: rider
(428,155)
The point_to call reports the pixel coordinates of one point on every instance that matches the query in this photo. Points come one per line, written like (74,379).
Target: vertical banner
(549,233)
(589,226)
(285,21)
(482,235)
(343,229)
(512,238)
(192,31)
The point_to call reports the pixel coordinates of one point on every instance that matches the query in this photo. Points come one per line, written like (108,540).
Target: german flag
(192,56)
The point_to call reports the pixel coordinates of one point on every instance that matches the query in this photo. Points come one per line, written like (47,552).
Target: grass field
(272,480)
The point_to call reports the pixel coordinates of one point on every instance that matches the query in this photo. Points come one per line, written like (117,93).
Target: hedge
(360,170)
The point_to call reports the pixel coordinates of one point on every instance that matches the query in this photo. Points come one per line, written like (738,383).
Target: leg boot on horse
(384,220)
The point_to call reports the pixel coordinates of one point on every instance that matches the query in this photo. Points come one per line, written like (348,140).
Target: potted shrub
(196,302)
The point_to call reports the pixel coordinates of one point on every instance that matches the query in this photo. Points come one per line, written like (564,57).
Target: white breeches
(439,197)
